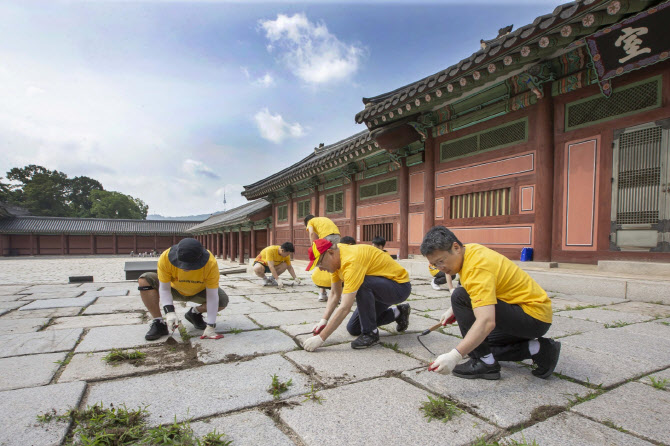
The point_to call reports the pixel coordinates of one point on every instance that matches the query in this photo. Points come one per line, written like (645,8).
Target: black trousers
(509,339)
(373,300)
(441,278)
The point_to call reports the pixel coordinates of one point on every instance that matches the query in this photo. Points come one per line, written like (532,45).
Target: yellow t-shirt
(189,283)
(272,253)
(432,270)
(358,261)
(487,276)
(321,278)
(323,226)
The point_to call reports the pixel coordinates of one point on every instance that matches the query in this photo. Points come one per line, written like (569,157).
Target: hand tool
(451,320)
(171,340)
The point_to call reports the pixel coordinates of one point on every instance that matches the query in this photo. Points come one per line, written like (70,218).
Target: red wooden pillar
(353,207)
(252,243)
(291,217)
(174,239)
(37,244)
(544,191)
(2,245)
(403,186)
(241,246)
(429,183)
(92,244)
(224,246)
(115,244)
(32,244)
(135,244)
(155,242)
(268,236)
(233,251)
(316,201)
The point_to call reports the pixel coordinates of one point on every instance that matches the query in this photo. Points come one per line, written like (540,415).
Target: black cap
(188,254)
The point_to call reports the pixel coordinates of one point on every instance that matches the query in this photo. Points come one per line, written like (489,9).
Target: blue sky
(175,102)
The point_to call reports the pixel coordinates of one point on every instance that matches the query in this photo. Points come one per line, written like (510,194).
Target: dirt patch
(543,412)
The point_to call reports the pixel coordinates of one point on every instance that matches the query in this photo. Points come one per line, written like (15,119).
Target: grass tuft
(236,330)
(393,346)
(118,355)
(277,387)
(439,408)
(660,383)
(312,396)
(616,324)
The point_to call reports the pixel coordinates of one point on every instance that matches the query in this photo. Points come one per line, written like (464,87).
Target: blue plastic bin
(526,254)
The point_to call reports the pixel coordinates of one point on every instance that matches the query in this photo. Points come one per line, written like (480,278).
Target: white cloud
(265,81)
(199,169)
(274,128)
(310,51)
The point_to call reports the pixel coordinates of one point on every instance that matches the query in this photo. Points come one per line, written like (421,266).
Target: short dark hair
(379,240)
(288,247)
(438,238)
(348,240)
(308,218)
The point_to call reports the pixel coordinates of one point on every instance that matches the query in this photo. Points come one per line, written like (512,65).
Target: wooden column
(174,239)
(224,246)
(240,244)
(252,243)
(544,189)
(135,244)
(291,216)
(37,244)
(155,242)
(62,244)
(268,236)
(67,244)
(353,207)
(92,244)
(115,244)
(2,245)
(316,202)
(403,186)
(429,183)
(232,246)
(32,244)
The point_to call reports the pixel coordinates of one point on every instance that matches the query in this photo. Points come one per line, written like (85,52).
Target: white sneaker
(273,282)
(435,286)
(323,297)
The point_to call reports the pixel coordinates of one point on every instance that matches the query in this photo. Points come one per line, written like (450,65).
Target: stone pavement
(611,386)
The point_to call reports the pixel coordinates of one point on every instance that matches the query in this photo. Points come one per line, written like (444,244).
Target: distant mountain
(201,217)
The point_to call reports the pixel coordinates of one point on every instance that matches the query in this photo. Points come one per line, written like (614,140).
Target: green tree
(43,191)
(79,196)
(110,204)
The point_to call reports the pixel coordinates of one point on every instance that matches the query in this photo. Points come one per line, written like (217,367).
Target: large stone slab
(577,284)
(107,305)
(47,313)
(648,291)
(235,346)
(638,408)
(25,325)
(28,371)
(247,308)
(429,292)
(4,311)
(502,401)
(339,364)
(659,377)
(569,429)
(107,292)
(117,336)
(605,316)
(40,342)
(224,323)
(643,308)
(59,303)
(437,342)
(11,289)
(260,291)
(280,296)
(51,288)
(19,409)
(202,391)
(297,304)
(13,305)
(417,324)
(600,368)
(425,305)
(340,335)
(10,297)
(287,317)
(565,326)
(245,428)
(95,321)
(380,412)
(57,294)
(91,367)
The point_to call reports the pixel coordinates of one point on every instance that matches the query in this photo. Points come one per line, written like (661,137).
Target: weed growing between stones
(439,408)
(609,423)
(483,442)
(616,324)
(119,426)
(660,383)
(236,330)
(67,359)
(183,333)
(277,387)
(118,355)
(393,346)
(312,396)
(580,399)
(579,307)
(664,323)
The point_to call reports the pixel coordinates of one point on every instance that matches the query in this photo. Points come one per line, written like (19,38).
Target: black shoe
(403,318)
(157,329)
(196,319)
(365,340)
(476,368)
(546,359)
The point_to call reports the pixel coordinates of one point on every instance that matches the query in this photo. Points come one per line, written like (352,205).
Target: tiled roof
(232,217)
(323,158)
(64,225)
(565,24)
(7,210)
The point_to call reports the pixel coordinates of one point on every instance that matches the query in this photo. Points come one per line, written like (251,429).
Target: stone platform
(611,386)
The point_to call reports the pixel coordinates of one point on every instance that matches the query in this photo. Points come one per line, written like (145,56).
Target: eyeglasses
(440,263)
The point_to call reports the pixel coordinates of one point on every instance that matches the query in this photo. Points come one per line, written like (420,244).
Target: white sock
(375,331)
(488,359)
(159,319)
(195,310)
(533,347)
(396,312)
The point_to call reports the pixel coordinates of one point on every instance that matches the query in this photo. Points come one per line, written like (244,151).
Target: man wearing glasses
(373,279)
(501,311)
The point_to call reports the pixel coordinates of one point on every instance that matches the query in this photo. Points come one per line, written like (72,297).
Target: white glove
(448,317)
(320,326)
(297,281)
(312,343)
(280,284)
(171,320)
(445,363)
(210,333)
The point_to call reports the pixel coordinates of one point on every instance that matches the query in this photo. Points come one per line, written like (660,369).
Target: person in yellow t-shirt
(364,274)
(186,272)
(439,278)
(501,311)
(321,278)
(322,227)
(275,260)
